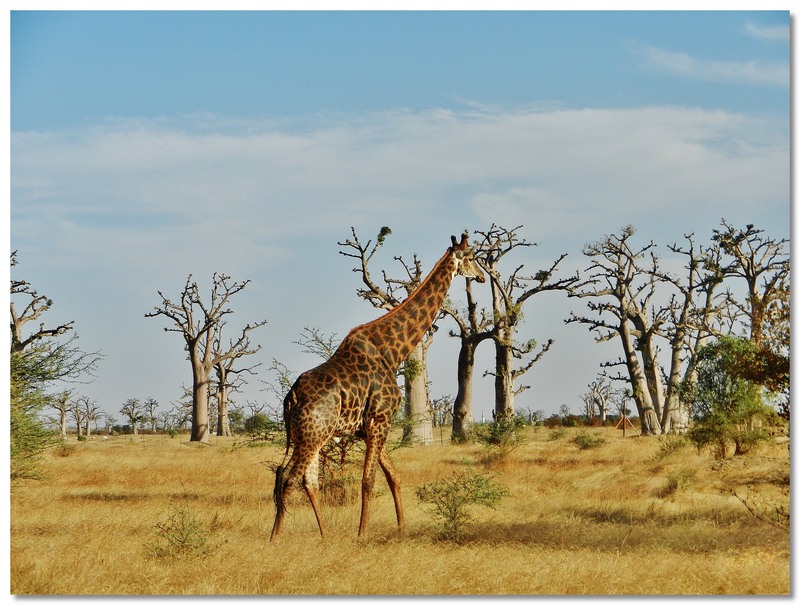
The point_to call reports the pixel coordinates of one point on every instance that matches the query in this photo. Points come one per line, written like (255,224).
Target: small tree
(452,496)
(725,407)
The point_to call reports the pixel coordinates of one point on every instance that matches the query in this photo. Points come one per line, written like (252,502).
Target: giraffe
(355,392)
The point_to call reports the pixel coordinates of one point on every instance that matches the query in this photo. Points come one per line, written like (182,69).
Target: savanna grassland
(631,516)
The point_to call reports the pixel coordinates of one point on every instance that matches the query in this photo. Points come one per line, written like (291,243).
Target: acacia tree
(199,324)
(419,428)
(38,359)
(508,297)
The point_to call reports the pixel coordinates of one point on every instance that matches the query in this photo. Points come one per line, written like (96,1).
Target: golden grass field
(617,519)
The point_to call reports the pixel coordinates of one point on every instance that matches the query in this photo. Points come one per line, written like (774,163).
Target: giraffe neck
(401,329)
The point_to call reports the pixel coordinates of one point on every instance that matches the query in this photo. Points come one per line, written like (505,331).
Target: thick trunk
(504,378)
(641,393)
(419,429)
(63,421)
(462,406)
(200,430)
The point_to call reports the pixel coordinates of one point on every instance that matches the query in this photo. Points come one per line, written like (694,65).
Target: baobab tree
(150,415)
(508,296)
(415,367)
(472,330)
(61,404)
(622,282)
(229,378)
(626,288)
(133,411)
(199,325)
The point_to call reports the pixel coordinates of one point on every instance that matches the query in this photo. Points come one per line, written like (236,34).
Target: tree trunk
(462,406)
(504,378)
(641,393)
(200,406)
(419,429)
(223,425)
(63,421)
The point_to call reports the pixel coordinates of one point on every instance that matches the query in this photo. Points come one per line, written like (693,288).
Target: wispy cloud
(746,73)
(143,191)
(774,33)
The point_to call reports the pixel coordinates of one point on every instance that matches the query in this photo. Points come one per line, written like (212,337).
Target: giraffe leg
(311,485)
(367,482)
(394,485)
(302,466)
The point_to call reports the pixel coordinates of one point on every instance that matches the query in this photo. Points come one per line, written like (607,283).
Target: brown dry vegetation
(617,519)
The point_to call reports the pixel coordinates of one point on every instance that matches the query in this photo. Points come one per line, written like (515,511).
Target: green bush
(726,408)
(181,535)
(587,441)
(451,498)
(499,438)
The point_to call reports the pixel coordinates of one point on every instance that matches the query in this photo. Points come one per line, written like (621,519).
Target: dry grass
(623,518)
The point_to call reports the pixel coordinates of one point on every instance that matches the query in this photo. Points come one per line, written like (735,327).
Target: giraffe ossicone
(355,392)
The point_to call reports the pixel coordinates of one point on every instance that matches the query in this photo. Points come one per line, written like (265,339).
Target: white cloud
(747,73)
(158,184)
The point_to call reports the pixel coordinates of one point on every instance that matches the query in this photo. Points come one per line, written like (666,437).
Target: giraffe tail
(277,492)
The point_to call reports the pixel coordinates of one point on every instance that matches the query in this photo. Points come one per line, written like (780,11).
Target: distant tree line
(723,318)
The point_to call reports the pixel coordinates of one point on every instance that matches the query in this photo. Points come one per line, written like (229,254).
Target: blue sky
(149,145)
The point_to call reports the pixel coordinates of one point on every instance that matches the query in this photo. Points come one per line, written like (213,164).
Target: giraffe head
(466,264)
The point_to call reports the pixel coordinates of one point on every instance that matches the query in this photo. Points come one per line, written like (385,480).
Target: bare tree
(508,297)
(33,309)
(132,410)
(415,368)
(60,360)
(622,280)
(472,330)
(150,415)
(61,404)
(90,412)
(199,325)
(763,263)
(230,379)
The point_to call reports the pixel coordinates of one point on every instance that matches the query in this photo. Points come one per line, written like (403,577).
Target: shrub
(452,496)
(587,441)
(668,444)
(557,434)
(181,535)
(499,438)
